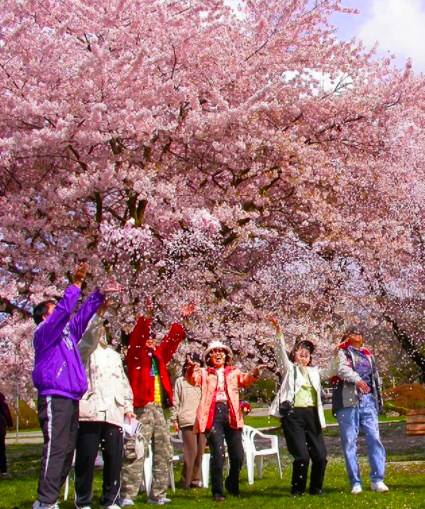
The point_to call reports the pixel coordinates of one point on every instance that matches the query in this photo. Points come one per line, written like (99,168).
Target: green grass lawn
(405,477)
(273,422)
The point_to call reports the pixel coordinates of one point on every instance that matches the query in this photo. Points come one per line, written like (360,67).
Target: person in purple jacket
(60,379)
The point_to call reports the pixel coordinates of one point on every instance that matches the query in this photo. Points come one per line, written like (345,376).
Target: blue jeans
(351,420)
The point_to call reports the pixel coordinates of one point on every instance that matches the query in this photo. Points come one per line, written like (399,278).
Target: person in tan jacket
(219,414)
(183,414)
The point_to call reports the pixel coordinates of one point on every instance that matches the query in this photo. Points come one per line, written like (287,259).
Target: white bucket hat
(217,345)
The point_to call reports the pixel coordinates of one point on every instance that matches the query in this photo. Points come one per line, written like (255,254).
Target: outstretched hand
(275,324)
(338,347)
(257,371)
(187,309)
(148,307)
(80,273)
(191,366)
(111,287)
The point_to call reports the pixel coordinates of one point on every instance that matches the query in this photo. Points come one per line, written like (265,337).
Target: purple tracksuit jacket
(58,368)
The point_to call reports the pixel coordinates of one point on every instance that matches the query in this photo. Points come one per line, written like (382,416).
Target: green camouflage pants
(154,430)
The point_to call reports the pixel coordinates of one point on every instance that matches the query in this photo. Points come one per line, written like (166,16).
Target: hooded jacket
(139,362)
(109,396)
(345,392)
(58,368)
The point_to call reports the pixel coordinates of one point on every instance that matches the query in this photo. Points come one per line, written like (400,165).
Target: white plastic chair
(205,467)
(147,471)
(177,439)
(255,455)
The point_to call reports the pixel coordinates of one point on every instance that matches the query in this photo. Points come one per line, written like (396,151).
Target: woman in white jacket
(108,400)
(299,406)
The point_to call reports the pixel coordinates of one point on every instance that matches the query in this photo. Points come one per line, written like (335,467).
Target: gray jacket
(345,392)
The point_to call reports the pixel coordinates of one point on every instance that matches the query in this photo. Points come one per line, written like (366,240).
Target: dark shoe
(218,498)
(196,484)
(318,493)
(296,494)
(233,492)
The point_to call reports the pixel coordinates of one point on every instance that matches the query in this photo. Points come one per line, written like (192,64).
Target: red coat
(139,362)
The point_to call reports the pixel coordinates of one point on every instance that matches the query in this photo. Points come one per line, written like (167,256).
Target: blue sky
(397,25)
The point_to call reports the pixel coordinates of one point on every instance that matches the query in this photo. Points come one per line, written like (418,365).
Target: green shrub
(28,417)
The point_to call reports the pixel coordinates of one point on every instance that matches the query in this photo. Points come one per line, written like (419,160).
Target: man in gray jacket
(356,403)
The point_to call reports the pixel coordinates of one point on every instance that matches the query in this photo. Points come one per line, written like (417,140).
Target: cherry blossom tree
(247,161)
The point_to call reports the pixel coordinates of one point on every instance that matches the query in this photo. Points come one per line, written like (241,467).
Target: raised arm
(93,333)
(79,322)
(138,337)
(282,361)
(246,379)
(91,338)
(176,335)
(171,342)
(50,330)
(193,373)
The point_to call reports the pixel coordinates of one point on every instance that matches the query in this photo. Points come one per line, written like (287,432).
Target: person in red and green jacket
(152,391)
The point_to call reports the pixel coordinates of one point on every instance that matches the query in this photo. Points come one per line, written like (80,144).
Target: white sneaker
(357,489)
(379,487)
(41,505)
(159,501)
(113,506)
(126,502)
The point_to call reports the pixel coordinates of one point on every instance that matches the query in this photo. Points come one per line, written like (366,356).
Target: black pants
(3,463)
(59,423)
(90,436)
(304,439)
(216,436)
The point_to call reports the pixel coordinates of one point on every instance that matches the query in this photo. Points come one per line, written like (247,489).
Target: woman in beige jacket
(108,400)
(186,399)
